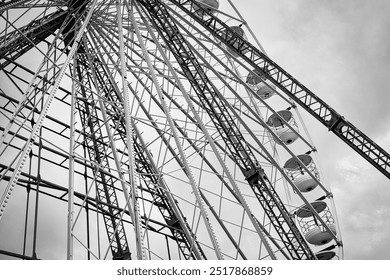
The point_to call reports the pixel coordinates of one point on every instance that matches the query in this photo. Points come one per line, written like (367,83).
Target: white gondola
(238,30)
(257,82)
(313,230)
(300,176)
(325,255)
(210,5)
(278,121)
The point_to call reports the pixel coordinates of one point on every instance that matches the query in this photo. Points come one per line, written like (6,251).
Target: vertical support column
(69,245)
(129,135)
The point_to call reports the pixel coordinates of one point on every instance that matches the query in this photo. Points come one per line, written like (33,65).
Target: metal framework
(346,131)
(226,125)
(137,116)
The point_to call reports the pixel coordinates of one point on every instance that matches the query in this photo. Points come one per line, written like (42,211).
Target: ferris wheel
(151,129)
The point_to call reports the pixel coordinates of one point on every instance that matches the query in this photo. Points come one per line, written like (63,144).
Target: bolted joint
(336,122)
(253,174)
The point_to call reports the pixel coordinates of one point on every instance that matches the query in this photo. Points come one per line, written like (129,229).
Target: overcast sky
(341,51)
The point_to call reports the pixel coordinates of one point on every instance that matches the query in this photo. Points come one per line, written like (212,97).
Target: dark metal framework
(21,41)
(147,171)
(346,131)
(231,135)
(95,144)
(93,79)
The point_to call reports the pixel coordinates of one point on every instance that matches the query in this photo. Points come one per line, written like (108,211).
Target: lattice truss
(128,130)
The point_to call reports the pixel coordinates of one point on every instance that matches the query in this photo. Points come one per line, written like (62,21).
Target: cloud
(362,200)
(339,49)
